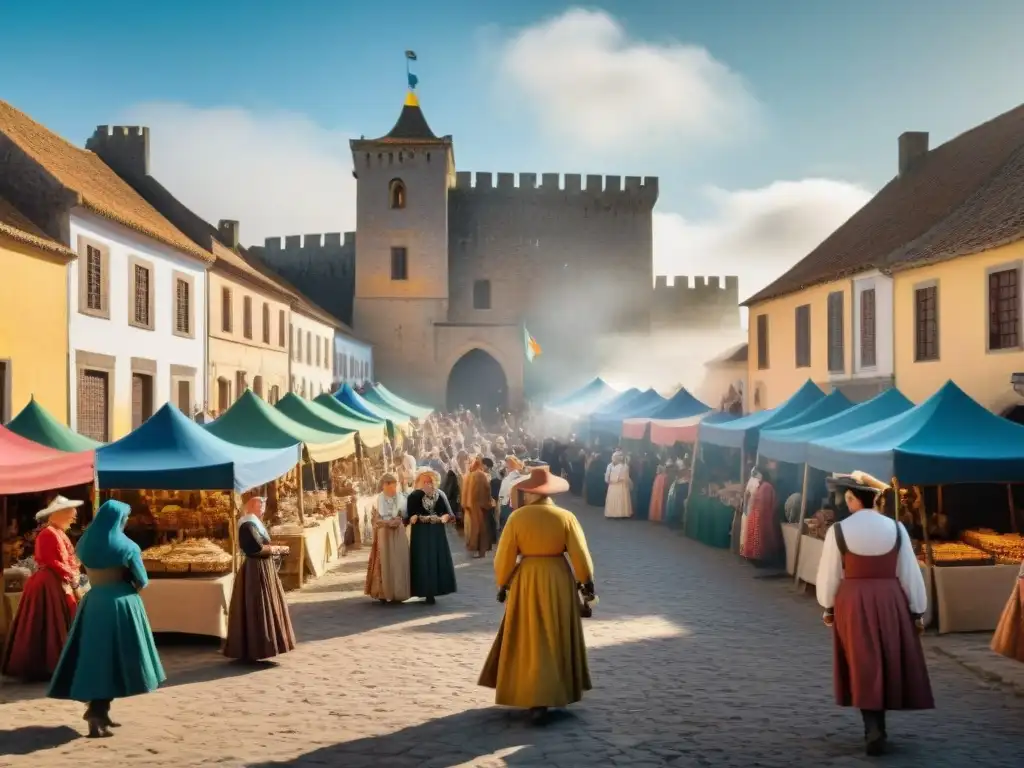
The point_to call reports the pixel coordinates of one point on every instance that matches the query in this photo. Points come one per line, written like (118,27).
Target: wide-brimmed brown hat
(542,483)
(857,481)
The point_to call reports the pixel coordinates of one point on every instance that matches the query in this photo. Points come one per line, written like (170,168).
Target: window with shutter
(241,384)
(141,303)
(142,398)
(281,341)
(298,346)
(399,263)
(225,310)
(266,323)
(803,336)
(1004,309)
(247,317)
(318,351)
(257,385)
(868,348)
(182,307)
(223,394)
(94,279)
(836,351)
(185,397)
(93,405)
(926,323)
(309,348)
(762,342)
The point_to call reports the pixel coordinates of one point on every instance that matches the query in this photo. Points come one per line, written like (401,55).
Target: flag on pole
(533,349)
(413,80)
(410,55)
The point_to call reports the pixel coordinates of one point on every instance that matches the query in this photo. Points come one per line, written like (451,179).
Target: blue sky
(825,88)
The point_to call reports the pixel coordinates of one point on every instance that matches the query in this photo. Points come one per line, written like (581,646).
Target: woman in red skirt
(874,596)
(48,603)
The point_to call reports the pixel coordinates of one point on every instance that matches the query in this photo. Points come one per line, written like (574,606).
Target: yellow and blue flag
(533,349)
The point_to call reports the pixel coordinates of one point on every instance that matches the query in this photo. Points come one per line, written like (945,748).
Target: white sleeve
(830,571)
(608,474)
(909,572)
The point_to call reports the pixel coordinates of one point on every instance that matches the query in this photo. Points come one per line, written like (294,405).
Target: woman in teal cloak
(110,653)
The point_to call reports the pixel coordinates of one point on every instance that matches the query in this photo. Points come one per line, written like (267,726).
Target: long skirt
(763,542)
(878,661)
(539,657)
(658,499)
(479,539)
(259,625)
(40,628)
(387,575)
(1008,639)
(110,652)
(618,503)
(430,561)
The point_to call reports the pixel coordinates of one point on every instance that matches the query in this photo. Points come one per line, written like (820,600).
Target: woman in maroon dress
(764,545)
(874,596)
(48,603)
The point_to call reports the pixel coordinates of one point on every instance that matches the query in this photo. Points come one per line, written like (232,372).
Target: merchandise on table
(1007,548)
(195,556)
(952,553)
(818,524)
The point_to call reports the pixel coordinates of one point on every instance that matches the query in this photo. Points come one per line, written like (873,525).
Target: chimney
(228,232)
(124,148)
(913,147)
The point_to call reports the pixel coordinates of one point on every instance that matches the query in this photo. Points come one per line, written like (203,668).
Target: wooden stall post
(1009,499)
(800,527)
(234,533)
(302,501)
(3,535)
(924,520)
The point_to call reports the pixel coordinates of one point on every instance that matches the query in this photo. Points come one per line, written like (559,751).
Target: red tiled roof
(908,206)
(16,226)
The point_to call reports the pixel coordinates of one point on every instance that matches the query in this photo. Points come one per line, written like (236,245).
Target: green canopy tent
(319,417)
(37,424)
(397,403)
(255,424)
(371,430)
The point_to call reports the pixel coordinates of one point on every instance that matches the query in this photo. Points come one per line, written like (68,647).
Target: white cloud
(756,234)
(277,174)
(590,83)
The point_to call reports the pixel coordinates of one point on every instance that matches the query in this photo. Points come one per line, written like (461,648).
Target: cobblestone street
(695,662)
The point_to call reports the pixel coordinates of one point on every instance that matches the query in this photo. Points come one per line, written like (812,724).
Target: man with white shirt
(870,585)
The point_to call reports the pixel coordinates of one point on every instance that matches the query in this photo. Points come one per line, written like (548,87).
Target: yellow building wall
(717,380)
(230,352)
(782,378)
(963,332)
(34,326)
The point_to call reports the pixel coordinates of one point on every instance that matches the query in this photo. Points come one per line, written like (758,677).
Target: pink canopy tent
(28,467)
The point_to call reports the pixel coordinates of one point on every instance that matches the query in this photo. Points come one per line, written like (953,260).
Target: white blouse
(870,533)
(391,507)
(616,473)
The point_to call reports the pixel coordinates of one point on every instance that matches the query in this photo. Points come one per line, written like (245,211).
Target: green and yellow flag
(533,349)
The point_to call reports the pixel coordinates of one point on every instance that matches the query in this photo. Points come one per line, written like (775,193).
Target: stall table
(971,598)
(790,536)
(710,522)
(810,557)
(322,545)
(197,605)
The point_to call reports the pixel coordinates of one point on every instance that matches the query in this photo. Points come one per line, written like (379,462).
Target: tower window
(399,263)
(481,294)
(396,194)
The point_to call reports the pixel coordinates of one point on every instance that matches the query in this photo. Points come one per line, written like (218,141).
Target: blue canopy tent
(611,422)
(682,405)
(790,443)
(391,400)
(170,452)
(949,438)
(619,401)
(349,397)
(742,432)
(596,391)
(831,404)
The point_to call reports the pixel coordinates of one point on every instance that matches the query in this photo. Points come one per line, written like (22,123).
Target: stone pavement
(695,663)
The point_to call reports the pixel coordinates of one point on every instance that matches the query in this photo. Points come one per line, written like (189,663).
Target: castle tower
(401,285)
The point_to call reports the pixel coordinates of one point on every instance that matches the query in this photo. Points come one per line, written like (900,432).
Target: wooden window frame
(917,321)
(1012,266)
(227,310)
(862,326)
(319,343)
(309,348)
(399,263)
(802,356)
(190,281)
(6,384)
(247,317)
(103,313)
(144,366)
(762,329)
(298,346)
(832,333)
(265,319)
(98,363)
(183,373)
(398,195)
(134,263)
(282,339)
(485,286)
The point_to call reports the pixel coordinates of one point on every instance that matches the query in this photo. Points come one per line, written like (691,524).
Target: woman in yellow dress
(539,658)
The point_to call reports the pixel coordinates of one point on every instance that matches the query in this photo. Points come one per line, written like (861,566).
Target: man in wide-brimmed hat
(539,658)
(874,596)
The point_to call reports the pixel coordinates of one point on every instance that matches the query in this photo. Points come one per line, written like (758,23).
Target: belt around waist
(530,557)
(100,577)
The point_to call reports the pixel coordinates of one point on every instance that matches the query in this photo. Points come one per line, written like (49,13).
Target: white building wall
(353,360)
(307,377)
(882,286)
(115,337)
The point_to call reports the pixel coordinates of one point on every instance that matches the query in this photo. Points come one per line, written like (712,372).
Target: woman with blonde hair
(387,573)
(432,572)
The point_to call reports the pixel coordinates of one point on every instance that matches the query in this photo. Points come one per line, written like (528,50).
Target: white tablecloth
(192,606)
(971,598)
(323,545)
(810,556)
(790,536)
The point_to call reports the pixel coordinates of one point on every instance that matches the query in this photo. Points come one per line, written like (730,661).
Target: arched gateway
(477,379)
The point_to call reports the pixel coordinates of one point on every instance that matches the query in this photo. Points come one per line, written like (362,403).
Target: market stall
(788,443)
(739,438)
(681,406)
(932,452)
(37,424)
(372,431)
(379,393)
(609,420)
(166,470)
(348,396)
(29,467)
(587,398)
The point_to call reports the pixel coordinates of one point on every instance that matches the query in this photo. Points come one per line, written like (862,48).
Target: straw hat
(58,504)
(857,481)
(542,483)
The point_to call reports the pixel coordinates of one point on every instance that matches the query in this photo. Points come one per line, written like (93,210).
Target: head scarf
(104,543)
(250,517)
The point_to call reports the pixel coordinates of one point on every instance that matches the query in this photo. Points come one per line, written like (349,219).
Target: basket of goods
(200,556)
(1007,548)
(953,553)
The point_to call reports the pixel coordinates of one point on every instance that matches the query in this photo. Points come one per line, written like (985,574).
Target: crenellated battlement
(642,188)
(315,245)
(710,301)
